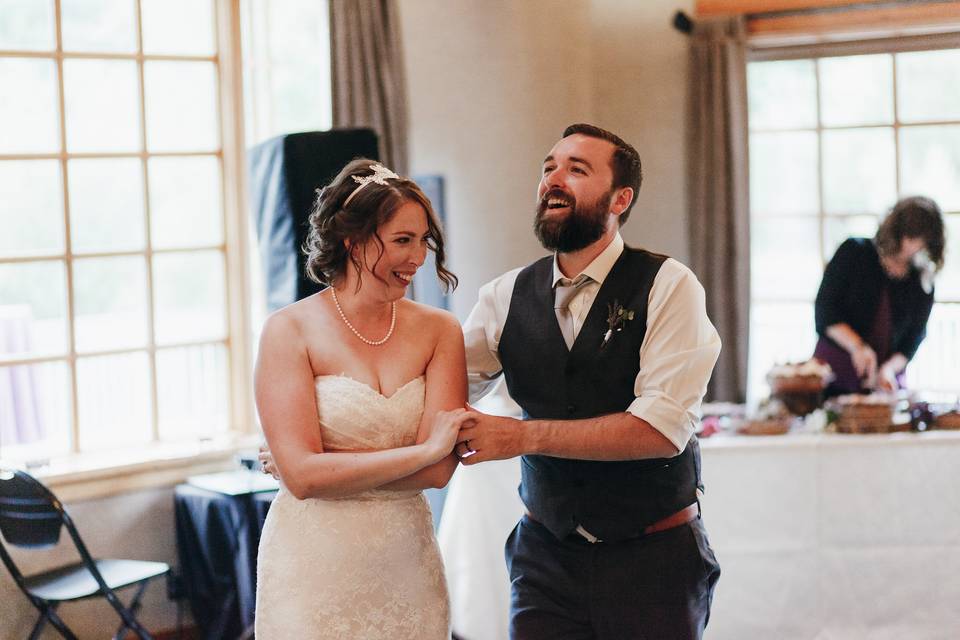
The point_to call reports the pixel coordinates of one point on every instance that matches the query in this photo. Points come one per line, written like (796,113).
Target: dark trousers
(658,587)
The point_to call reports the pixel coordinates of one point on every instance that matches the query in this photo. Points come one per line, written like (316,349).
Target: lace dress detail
(365,566)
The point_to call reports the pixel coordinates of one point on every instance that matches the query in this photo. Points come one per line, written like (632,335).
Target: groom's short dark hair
(625,163)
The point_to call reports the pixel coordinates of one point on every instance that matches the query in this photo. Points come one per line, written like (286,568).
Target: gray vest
(612,500)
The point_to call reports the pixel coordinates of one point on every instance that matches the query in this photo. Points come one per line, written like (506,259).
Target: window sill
(91,476)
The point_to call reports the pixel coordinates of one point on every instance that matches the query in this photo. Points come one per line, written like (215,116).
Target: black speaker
(285,173)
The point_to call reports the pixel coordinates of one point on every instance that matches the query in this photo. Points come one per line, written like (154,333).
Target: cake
(799,385)
(948,420)
(771,419)
(865,413)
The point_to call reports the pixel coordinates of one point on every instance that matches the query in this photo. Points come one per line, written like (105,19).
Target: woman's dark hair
(915,217)
(332,223)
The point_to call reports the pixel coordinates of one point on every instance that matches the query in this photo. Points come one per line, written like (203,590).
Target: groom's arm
(617,436)
(481,334)
(679,350)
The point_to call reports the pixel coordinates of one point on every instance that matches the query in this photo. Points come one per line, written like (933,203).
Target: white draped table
(818,536)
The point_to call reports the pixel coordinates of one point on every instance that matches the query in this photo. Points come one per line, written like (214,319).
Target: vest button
(571,408)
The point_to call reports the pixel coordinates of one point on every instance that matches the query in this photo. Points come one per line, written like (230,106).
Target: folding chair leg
(49,612)
(128,614)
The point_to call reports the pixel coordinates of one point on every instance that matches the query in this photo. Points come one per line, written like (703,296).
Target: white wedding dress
(365,566)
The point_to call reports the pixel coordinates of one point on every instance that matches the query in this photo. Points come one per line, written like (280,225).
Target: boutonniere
(617,316)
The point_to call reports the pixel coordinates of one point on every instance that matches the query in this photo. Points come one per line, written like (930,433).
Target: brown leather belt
(673,520)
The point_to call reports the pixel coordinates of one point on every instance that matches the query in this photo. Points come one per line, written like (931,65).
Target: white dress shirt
(676,358)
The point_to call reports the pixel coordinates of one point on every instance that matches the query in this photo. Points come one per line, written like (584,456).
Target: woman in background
(360,393)
(876,296)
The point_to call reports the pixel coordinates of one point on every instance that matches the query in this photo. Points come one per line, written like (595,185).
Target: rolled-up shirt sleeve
(677,356)
(481,334)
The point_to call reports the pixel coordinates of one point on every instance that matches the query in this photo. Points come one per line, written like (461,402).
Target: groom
(608,350)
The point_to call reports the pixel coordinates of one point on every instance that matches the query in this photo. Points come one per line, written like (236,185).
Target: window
(286,67)
(835,141)
(113,305)
(122,286)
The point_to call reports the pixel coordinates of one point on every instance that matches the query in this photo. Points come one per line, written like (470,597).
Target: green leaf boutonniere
(617,316)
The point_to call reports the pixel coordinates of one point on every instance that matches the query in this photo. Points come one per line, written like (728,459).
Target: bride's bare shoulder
(439,322)
(288,323)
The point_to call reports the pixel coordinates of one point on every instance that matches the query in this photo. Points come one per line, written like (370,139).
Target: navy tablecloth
(217,539)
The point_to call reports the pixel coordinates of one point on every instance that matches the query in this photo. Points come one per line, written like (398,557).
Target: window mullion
(67,238)
(148,241)
(236,223)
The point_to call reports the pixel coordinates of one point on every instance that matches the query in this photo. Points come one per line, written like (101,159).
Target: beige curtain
(369,88)
(719,192)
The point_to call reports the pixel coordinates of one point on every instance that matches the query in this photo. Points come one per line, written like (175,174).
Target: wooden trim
(707,8)
(888,20)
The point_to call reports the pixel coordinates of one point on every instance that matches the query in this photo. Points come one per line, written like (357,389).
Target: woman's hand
(444,432)
(887,378)
(865,363)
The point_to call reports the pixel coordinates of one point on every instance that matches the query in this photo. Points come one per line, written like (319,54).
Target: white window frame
(930,42)
(161,464)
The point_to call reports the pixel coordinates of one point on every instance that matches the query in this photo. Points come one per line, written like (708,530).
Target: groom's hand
(267,463)
(489,438)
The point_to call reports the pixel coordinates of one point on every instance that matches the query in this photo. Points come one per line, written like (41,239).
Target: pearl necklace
(372,343)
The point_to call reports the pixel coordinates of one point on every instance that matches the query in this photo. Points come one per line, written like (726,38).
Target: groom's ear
(622,198)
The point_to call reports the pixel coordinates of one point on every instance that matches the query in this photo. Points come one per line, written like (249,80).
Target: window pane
(192,391)
(859,170)
(783,174)
(185,202)
(177,26)
(114,401)
(782,94)
(181,106)
(779,333)
(27,25)
(28,116)
(33,305)
(99,25)
(936,366)
(103,105)
(31,213)
(928,85)
(856,90)
(785,258)
(930,164)
(35,413)
(948,280)
(189,289)
(110,302)
(836,230)
(106,205)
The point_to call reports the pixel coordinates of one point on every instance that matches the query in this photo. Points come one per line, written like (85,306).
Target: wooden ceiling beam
(706,8)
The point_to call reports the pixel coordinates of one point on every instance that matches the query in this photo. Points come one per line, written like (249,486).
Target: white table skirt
(818,537)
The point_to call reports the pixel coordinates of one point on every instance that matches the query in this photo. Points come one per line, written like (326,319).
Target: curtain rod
(684,23)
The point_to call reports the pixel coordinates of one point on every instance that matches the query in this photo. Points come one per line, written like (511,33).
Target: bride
(360,394)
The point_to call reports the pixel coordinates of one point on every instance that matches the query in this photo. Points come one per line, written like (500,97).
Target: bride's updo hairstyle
(338,217)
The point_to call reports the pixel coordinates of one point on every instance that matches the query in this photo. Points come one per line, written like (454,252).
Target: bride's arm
(284,389)
(446,378)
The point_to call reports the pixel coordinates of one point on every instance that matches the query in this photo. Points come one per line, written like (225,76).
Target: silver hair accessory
(380,175)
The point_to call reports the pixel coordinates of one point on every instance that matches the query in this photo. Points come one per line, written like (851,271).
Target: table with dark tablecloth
(217,538)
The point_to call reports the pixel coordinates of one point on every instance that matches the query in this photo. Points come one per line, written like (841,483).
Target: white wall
(640,71)
(492,84)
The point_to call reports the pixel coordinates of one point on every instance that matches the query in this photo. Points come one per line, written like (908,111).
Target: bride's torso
(355,417)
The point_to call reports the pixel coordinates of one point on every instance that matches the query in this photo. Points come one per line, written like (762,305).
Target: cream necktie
(565,291)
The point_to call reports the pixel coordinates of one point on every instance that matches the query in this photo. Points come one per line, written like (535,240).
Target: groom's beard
(582,226)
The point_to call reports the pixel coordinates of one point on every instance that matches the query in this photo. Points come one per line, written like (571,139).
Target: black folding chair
(32,517)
